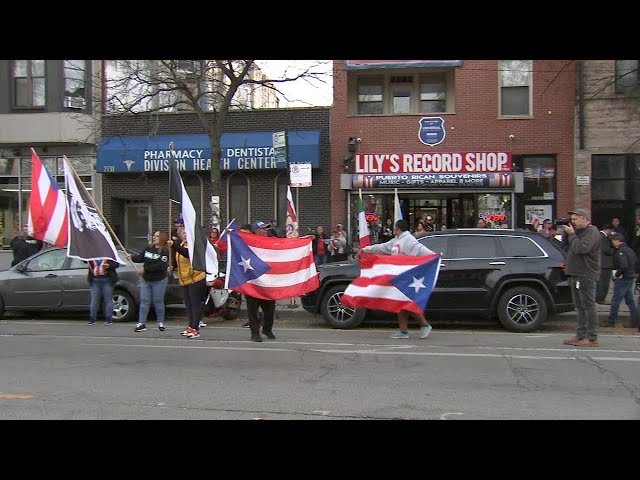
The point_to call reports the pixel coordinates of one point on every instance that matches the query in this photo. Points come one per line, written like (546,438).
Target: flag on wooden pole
(363,228)
(47,219)
(292,216)
(397,211)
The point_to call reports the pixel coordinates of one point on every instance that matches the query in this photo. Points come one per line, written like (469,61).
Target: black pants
(602,287)
(268,309)
(193,297)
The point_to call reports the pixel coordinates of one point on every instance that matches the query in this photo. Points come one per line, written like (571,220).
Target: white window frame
(30,80)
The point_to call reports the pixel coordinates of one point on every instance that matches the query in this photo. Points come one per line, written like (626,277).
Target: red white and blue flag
(393,282)
(271,268)
(292,216)
(48,219)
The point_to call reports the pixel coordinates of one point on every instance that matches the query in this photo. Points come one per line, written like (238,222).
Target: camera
(562,221)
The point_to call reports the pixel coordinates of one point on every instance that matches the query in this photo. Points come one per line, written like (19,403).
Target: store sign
(240,151)
(434,180)
(456,162)
(370,217)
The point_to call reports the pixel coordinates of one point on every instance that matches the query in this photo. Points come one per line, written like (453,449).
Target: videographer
(583,269)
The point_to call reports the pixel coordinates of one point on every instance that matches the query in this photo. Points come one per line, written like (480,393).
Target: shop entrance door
(137,219)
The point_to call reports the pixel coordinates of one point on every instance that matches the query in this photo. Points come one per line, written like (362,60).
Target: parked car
(515,275)
(49,281)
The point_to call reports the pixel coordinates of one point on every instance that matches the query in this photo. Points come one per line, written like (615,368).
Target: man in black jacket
(606,263)
(624,280)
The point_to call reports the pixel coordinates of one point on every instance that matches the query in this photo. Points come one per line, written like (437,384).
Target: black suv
(514,275)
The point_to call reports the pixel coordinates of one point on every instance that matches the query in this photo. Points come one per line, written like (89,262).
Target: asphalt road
(64,369)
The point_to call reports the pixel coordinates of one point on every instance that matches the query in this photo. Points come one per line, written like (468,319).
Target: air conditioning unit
(74,102)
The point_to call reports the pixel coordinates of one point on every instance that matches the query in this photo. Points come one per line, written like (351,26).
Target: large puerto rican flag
(393,282)
(48,219)
(271,268)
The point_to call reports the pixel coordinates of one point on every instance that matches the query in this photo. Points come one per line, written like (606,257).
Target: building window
(74,83)
(193,186)
(433,93)
(401,87)
(515,87)
(627,76)
(28,83)
(238,196)
(405,93)
(370,95)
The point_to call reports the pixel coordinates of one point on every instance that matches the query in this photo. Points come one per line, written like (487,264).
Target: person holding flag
(403,244)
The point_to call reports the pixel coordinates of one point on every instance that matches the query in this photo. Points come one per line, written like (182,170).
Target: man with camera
(583,270)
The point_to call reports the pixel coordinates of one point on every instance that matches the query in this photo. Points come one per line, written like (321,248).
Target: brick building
(608,139)
(132,159)
(460,140)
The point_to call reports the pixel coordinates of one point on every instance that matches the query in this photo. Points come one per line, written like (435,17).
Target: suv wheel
(338,315)
(522,309)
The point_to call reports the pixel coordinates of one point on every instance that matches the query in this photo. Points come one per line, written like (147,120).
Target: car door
(37,285)
(469,271)
(76,291)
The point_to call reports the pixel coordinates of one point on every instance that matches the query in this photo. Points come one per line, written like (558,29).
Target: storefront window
(238,198)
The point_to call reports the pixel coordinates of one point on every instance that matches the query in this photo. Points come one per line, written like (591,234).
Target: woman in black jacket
(156,260)
(102,276)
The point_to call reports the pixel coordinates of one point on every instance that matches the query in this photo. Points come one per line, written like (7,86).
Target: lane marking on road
(380,352)
(15,396)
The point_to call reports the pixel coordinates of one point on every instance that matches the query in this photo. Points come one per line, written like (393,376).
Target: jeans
(101,288)
(152,293)
(268,308)
(321,259)
(623,288)
(583,292)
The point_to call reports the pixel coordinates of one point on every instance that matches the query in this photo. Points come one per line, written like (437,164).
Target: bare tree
(209,88)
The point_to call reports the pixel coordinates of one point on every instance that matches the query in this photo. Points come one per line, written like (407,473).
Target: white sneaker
(425,331)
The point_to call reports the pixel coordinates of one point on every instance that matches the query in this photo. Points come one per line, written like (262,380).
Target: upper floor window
(405,93)
(28,83)
(74,83)
(627,75)
(370,95)
(515,87)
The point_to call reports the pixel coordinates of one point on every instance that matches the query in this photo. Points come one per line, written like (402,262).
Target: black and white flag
(202,255)
(88,236)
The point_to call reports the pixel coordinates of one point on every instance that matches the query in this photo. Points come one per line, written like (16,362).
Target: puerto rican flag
(271,268)
(48,219)
(363,227)
(292,216)
(393,282)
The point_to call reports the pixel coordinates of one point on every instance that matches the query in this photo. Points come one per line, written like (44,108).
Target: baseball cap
(261,224)
(581,212)
(428,217)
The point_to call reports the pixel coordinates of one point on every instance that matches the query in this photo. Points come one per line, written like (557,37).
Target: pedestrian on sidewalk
(102,276)
(624,281)
(193,283)
(606,263)
(583,270)
(156,266)
(253,303)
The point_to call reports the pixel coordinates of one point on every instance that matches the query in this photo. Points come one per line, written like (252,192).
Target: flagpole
(172,159)
(78,181)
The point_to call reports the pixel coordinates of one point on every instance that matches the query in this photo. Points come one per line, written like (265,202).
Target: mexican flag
(363,228)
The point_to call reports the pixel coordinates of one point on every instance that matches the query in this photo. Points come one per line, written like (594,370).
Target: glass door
(137,225)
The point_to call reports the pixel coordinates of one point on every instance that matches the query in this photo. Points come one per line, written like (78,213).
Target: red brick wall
(474,126)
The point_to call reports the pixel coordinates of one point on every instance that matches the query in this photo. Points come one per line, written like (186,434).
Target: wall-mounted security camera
(511,137)
(358,140)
